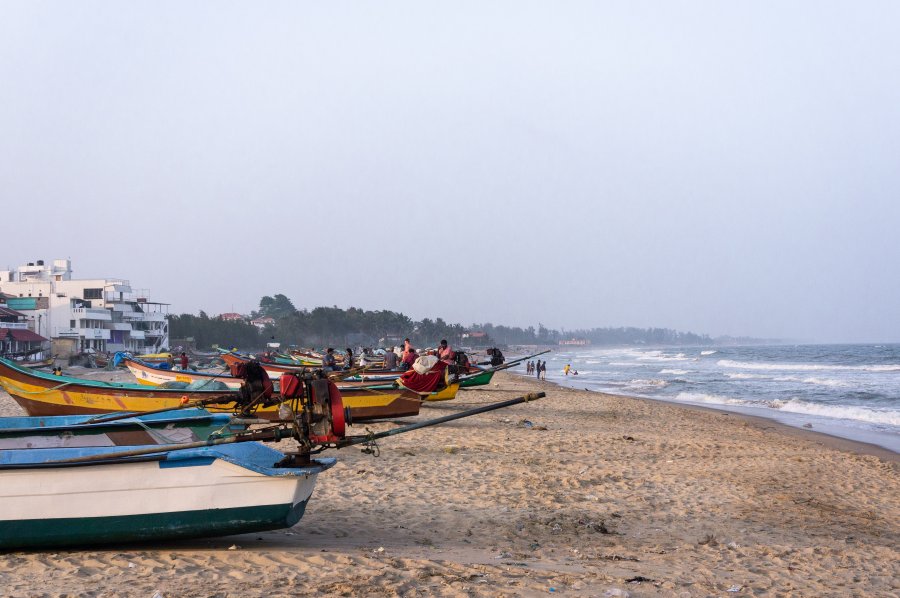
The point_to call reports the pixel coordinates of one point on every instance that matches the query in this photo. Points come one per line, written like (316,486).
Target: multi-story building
(85,314)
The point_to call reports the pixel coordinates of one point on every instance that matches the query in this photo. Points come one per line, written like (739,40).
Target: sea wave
(647,383)
(749,365)
(708,352)
(674,372)
(699,397)
(872,416)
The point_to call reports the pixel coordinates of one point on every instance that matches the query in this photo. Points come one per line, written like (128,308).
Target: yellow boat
(45,394)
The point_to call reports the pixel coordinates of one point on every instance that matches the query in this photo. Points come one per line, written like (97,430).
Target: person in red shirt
(445,353)
(184,361)
(409,358)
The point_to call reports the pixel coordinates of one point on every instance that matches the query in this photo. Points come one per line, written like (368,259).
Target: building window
(71,323)
(93,293)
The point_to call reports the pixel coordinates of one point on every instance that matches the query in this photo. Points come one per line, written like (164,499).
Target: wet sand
(596,495)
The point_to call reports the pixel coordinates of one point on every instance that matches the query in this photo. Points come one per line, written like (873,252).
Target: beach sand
(599,496)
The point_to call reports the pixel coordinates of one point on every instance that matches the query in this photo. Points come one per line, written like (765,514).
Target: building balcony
(17,325)
(94,333)
(60,332)
(120,326)
(138,334)
(89,313)
(155,332)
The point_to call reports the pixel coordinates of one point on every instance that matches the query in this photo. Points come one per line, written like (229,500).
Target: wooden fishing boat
(47,500)
(155,357)
(149,375)
(221,486)
(61,431)
(38,363)
(446,393)
(45,394)
(40,393)
(479,379)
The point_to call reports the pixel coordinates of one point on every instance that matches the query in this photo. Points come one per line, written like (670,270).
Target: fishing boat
(89,495)
(61,431)
(40,393)
(38,363)
(227,485)
(155,357)
(45,394)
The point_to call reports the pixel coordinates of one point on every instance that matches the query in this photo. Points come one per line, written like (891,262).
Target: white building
(79,314)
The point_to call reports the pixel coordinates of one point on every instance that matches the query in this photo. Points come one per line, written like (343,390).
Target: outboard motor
(320,410)
(257,389)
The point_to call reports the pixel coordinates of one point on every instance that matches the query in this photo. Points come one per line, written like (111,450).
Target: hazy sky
(719,167)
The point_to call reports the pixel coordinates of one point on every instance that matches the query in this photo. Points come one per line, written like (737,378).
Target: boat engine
(320,410)
(257,389)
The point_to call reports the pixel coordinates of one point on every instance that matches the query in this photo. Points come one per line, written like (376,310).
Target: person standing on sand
(537,369)
(544,371)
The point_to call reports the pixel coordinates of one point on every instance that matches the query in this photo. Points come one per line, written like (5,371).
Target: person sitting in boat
(328,362)
(348,359)
(390,360)
(445,353)
(409,358)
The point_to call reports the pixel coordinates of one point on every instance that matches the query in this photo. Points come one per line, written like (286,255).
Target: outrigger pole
(276,433)
(440,420)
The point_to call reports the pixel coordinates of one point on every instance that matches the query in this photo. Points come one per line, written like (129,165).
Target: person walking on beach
(566,369)
(537,369)
(544,371)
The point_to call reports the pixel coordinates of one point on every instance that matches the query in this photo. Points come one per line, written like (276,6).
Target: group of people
(539,369)
(329,361)
(182,361)
(404,357)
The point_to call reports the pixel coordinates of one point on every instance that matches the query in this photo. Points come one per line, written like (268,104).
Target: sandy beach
(580,494)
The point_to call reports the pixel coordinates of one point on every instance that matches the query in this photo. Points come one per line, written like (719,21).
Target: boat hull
(202,492)
(49,395)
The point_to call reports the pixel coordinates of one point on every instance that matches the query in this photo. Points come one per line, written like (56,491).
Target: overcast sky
(718,167)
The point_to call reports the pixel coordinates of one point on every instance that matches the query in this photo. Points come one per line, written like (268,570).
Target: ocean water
(851,391)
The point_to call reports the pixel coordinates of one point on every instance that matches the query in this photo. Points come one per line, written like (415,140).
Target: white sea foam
(872,416)
(660,356)
(830,382)
(674,372)
(747,365)
(647,383)
(699,397)
(708,352)
(743,376)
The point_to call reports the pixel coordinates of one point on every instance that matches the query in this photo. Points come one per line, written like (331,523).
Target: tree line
(333,326)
